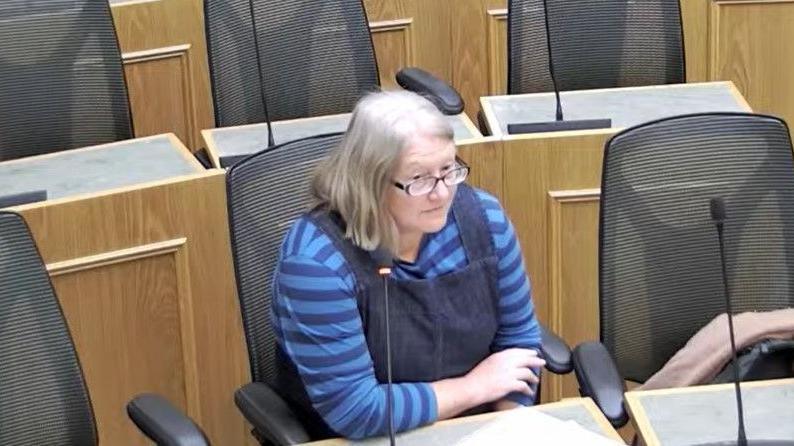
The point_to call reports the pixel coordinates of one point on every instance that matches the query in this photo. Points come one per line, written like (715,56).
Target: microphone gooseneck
(384,270)
(270,140)
(717,206)
(550,53)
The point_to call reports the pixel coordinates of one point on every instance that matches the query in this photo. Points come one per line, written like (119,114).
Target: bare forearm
(454,396)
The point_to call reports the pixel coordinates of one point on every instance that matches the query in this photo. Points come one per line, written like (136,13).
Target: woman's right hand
(505,372)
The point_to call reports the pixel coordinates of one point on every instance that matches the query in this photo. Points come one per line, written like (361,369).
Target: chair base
(558,126)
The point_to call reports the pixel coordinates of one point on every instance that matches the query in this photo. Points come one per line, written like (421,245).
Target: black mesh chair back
(659,273)
(594,44)
(61,79)
(43,399)
(316,58)
(266,193)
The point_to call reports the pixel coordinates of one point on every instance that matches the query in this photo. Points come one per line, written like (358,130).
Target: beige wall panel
(471,70)
(161,92)
(126,317)
(573,272)
(158,96)
(535,167)
(179,292)
(497,51)
(425,40)
(752,44)
(485,160)
(394,45)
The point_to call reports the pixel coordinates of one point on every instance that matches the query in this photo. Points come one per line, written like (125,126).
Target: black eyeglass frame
(406,187)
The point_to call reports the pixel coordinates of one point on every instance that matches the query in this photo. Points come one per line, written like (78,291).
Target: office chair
(267,192)
(43,398)
(659,261)
(61,79)
(594,44)
(316,59)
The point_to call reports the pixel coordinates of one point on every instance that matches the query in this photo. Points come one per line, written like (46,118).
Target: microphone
(559,124)
(717,206)
(270,141)
(384,261)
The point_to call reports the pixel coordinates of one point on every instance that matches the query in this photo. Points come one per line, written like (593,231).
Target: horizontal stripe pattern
(316,321)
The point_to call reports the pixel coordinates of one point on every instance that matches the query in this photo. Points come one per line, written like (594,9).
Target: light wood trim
(390,25)
(490,117)
(587,403)
(188,331)
(182,53)
(639,418)
(564,134)
(558,258)
(497,75)
(132,3)
(184,151)
(739,97)
(113,257)
(209,141)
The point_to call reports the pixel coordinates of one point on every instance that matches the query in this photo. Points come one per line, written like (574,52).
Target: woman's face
(425,156)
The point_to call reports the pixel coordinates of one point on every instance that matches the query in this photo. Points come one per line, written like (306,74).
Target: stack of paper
(530,426)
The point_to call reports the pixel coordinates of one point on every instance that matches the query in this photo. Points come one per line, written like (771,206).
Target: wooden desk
(448,432)
(704,414)
(549,186)
(248,139)
(626,107)
(135,238)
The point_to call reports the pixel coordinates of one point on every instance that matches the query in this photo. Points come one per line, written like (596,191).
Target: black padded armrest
(269,414)
(163,423)
(437,91)
(556,353)
(599,379)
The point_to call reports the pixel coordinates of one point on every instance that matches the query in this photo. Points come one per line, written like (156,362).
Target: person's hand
(505,372)
(505,404)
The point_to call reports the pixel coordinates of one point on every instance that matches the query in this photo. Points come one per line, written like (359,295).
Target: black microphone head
(383,258)
(717,209)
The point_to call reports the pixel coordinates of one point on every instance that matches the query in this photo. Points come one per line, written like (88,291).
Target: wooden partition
(548,185)
(145,280)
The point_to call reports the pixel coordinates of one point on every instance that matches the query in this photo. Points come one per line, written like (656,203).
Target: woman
(463,332)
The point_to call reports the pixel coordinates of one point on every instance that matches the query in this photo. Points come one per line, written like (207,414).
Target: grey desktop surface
(245,140)
(448,434)
(703,417)
(626,107)
(80,171)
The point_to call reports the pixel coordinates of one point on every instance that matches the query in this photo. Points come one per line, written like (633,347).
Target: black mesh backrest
(61,80)
(266,193)
(595,44)
(43,399)
(317,58)
(660,278)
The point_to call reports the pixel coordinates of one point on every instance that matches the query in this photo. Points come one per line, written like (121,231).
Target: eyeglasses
(425,185)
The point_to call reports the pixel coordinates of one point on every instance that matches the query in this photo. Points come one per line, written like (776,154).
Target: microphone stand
(270,140)
(559,124)
(384,271)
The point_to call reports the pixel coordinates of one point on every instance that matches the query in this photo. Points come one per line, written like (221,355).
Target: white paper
(525,426)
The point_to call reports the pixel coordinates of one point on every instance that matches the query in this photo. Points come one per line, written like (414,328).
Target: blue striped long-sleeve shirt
(316,321)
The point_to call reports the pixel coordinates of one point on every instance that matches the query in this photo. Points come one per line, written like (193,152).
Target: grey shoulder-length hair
(355,177)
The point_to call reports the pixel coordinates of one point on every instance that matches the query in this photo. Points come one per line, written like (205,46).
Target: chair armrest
(599,379)
(163,423)
(556,352)
(269,414)
(437,91)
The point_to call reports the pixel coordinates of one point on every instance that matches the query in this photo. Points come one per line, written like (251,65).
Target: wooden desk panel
(143,273)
